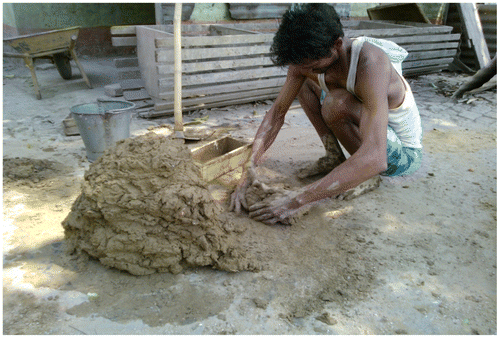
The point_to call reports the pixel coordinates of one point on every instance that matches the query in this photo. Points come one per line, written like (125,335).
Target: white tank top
(405,120)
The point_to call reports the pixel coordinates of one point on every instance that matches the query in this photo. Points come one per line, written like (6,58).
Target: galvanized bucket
(102,124)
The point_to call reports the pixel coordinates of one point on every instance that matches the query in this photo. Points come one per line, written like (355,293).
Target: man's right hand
(238,197)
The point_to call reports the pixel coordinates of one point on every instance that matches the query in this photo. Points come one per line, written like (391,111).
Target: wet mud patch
(180,303)
(27,314)
(331,256)
(28,171)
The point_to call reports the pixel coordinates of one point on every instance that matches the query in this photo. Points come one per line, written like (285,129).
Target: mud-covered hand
(238,197)
(277,211)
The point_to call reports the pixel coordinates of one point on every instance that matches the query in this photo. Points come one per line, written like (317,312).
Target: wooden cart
(56,45)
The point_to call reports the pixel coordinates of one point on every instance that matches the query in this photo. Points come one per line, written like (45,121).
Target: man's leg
(309,98)
(341,112)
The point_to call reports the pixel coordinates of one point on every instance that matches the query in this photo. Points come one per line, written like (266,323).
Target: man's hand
(277,211)
(238,198)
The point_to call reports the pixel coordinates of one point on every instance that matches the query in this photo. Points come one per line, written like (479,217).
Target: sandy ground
(415,256)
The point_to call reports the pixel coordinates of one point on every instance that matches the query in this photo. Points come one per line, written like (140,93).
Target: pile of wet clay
(144,208)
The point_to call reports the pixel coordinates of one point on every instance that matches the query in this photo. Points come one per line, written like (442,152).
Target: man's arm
(369,160)
(275,117)
(267,132)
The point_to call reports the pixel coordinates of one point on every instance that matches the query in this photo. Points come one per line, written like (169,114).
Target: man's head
(307,31)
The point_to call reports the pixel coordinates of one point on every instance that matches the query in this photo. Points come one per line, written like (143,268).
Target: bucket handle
(113,111)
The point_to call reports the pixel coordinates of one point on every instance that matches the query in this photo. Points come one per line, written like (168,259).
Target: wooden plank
(424,70)
(201,41)
(129,73)
(212,53)
(70,127)
(424,63)
(168,69)
(226,163)
(474,33)
(385,33)
(402,35)
(200,79)
(222,97)
(146,55)
(136,95)
(379,25)
(424,38)
(228,88)
(126,62)
(122,30)
(159,106)
(252,26)
(221,30)
(141,104)
(123,41)
(412,24)
(432,46)
(132,84)
(430,54)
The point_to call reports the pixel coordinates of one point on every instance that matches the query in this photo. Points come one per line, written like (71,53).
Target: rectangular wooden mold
(221,156)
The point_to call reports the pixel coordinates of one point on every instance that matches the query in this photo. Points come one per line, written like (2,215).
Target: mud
(144,208)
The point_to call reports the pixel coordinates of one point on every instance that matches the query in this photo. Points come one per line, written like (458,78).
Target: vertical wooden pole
(31,65)
(78,64)
(178,127)
(473,31)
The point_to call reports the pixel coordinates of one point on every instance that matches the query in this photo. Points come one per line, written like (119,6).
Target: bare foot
(323,166)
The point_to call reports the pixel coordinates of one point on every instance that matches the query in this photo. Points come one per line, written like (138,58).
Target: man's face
(320,66)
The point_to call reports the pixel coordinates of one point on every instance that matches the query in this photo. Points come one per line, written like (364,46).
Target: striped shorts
(401,160)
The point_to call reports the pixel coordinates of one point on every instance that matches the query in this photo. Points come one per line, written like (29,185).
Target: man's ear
(338,43)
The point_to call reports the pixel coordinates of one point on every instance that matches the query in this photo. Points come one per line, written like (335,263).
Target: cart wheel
(63,66)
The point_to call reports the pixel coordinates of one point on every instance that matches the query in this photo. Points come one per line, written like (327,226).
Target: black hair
(307,31)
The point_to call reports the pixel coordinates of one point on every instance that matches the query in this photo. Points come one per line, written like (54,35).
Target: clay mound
(144,208)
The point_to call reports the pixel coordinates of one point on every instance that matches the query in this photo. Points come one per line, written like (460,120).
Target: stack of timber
(431,48)
(230,64)
(221,65)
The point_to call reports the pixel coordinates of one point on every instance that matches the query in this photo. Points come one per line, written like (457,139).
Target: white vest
(405,120)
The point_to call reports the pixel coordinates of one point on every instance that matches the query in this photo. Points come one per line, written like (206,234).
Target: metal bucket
(102,124)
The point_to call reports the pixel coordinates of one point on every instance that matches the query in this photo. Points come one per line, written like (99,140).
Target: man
(350,91)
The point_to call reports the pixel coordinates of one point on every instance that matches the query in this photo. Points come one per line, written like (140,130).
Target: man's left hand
(277,211)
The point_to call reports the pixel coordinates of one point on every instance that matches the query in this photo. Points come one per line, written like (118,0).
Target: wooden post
(31,65)
(474,32)
(178,127)
(78,64)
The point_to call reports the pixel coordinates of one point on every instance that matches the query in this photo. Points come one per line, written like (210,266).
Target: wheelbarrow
(57,46)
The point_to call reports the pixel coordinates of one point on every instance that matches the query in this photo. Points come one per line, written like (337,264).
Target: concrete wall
(219,11)
(35,17)
(210,12)
(95,19)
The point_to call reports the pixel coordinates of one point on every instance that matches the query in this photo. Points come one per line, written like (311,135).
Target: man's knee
(309,88)
(340,105)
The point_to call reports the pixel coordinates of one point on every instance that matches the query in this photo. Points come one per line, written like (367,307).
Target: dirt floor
(415,256)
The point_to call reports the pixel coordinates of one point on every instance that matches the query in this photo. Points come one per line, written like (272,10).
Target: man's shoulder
(377,47)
